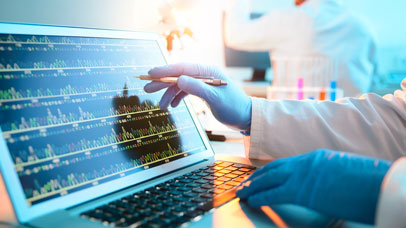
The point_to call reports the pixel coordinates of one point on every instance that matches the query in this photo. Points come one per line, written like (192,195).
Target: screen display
(74,116)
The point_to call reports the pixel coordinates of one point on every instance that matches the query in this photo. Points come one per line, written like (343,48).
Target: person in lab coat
(372,128)
(313,28)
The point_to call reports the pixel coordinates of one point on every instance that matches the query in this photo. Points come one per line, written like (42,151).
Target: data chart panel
(74,116)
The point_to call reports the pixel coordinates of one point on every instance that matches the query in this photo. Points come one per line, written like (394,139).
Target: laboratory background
(203,41)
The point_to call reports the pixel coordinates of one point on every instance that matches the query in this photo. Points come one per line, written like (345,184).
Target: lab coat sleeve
(261,34)
(370,125)
(391,206)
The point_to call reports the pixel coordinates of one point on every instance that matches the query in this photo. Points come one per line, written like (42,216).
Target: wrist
(246,126)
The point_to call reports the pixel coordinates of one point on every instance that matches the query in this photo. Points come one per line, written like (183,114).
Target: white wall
(118,14)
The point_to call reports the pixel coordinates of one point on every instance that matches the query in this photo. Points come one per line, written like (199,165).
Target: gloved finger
(190,69)
(178,98)
(168,96)
(197,88)
(266,181)
(272,196)
(271,165)
(156,86)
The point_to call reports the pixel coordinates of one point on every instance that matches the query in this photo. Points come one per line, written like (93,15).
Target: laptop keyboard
(177,201)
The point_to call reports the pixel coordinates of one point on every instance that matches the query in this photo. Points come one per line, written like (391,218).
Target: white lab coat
(391,208)
(370,125)
(316,28)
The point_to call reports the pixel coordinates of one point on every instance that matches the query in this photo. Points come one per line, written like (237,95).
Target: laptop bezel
(23,211)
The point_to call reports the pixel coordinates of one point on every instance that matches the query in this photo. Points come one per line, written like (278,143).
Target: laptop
(83,145)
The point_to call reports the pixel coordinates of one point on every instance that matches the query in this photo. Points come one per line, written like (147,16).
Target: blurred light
(181,17)
(274,217)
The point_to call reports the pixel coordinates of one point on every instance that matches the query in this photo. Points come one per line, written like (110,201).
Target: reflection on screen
(73,116)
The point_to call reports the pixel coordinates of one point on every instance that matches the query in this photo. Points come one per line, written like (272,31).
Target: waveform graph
(89,135)
(48,59)
(73,115)
(98,167)
(27,116)
(33,88)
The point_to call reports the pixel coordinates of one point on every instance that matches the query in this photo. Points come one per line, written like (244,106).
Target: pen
(210,81)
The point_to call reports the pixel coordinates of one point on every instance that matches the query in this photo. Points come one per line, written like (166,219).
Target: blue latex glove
(337,184)
(228,103)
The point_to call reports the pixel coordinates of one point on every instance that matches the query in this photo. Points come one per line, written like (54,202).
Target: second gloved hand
(338,184)
(229,104)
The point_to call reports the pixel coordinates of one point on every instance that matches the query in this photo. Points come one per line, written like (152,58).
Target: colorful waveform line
(50,151)
(72,180)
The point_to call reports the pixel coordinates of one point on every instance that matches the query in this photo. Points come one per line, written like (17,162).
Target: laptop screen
(74,116)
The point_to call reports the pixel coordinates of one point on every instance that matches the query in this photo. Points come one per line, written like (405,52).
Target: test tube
(333,86)
(300,88)
(322,96)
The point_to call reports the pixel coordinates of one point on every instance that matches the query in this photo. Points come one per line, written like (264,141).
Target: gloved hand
(337,184)
(229,104)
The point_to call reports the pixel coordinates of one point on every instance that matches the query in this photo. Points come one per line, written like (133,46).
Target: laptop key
(207,195)
(207,186)
(199,190)
(177,184)
(225,186)
(207,178)
(244,169)
(186,181)
(194,185)
(233,183)
(224,171)
(239,179)
(180,199)
(169,204)
(190,194)
(231,168)
(223,179)
(210,171)
(184,189)
(196,177)
(226,164)
(231,175)
(202,181)
(219,174)
(238,172)
(203,174)
(217,182)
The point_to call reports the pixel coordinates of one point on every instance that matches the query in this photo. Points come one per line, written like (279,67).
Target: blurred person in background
(309,29)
